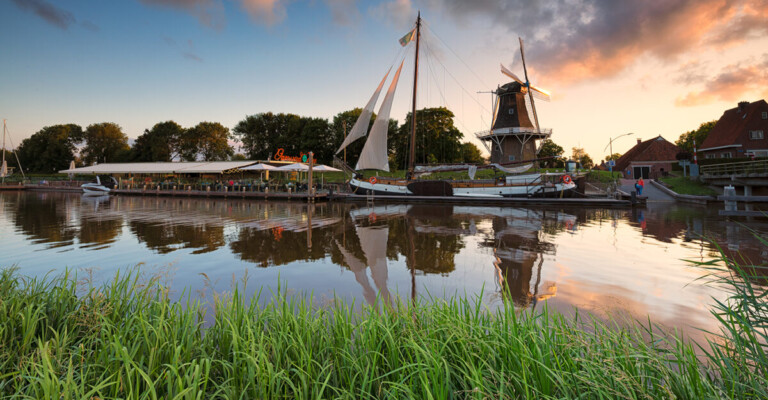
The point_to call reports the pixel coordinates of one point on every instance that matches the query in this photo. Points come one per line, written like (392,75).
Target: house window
(754,135)
(511,158)
(511,111)
(765,114)
(725,155)
(709,156)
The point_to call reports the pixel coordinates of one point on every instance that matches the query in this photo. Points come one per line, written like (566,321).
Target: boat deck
(518,201)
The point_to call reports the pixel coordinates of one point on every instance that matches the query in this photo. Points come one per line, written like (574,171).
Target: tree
(51,149)
(262,134)
(437,139)
(685,142)
(104,142)
(159,143)
(206,140)
(614,156)
(582,157)
(344,121)
(471,154)
(551,149)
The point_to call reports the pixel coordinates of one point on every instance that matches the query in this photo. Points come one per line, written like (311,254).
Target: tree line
(52,148)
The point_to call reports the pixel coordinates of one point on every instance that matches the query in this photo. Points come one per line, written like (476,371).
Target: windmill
(511,119)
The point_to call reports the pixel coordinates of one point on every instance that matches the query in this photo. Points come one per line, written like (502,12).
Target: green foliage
(581,156)
(238,157)
(262,134)
(128,339)
(104,143)
(685,185)
(51,149)
(207,141)
(551,149)
(685,142)
(471,154)
(437,139)
(159,143)
(614,156)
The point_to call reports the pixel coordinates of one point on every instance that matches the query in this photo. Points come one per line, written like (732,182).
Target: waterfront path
(652,193)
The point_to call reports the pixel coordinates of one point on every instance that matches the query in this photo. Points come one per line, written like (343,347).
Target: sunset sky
(650,67)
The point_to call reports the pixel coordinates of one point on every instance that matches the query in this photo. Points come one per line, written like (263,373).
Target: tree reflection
(43,217)
(165,238)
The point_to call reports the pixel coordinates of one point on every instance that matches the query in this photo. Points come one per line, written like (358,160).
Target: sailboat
(374,154)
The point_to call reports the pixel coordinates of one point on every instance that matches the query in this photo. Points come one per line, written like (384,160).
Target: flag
(408,38)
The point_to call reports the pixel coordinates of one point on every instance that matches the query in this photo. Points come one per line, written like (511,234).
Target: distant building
(649,159)
(740,132)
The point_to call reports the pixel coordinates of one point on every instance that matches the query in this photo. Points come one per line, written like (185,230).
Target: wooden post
(311,193)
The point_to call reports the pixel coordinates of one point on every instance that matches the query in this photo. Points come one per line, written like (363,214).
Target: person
(639,185)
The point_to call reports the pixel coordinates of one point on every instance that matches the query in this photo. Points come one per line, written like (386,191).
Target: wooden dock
(495,201)
(12,187)
(219,194)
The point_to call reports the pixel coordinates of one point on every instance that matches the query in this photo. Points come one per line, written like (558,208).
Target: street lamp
(610,144)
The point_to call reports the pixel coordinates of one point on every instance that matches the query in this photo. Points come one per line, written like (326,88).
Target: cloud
(266,12)
(344,12)
(571,41)
(731,84)
(192,56)
(399,13)
(88,25)
(55,16)
(210,13)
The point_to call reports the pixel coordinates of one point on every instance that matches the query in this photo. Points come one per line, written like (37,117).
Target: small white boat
(99,187)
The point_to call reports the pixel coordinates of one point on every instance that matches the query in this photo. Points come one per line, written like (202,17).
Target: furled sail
(361,125)
(4,170)
(374,154)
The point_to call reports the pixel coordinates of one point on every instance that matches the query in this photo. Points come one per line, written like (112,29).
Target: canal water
(596,260)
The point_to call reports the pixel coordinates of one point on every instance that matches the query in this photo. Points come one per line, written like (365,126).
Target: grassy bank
(128,340)
(684,185)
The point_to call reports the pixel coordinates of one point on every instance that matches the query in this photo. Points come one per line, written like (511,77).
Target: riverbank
(60,338)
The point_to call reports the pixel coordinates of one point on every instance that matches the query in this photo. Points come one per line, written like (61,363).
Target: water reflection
(569,257)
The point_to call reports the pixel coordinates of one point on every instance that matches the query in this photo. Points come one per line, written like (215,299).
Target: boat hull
(90,189)
(468,190)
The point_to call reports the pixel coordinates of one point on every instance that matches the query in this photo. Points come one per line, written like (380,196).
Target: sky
(655,67)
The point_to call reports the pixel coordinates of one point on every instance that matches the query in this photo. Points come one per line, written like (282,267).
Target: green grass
(683,185)
(127,339)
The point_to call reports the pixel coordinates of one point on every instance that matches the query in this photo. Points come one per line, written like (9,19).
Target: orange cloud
(731,84)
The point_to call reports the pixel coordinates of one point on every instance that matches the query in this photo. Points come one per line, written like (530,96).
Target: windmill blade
(510,74)
(540,93)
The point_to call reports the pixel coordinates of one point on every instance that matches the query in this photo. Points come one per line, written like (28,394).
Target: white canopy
(193,167)
(293,167)
(325,168)
(259,167)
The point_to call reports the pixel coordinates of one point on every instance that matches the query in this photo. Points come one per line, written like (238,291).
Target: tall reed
(127,339)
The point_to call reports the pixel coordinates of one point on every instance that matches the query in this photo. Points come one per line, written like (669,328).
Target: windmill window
(755,135)
(765,114)
(511,111)
(511,158)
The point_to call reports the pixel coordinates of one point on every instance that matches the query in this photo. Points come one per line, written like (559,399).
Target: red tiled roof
(734,126)
(656,149)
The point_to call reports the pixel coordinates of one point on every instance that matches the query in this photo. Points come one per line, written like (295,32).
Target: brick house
(740,132)
(649,159)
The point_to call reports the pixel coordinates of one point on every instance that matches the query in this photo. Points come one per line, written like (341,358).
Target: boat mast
(3,163)
(412,152)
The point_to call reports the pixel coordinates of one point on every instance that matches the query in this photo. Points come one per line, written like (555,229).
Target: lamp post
(610,144)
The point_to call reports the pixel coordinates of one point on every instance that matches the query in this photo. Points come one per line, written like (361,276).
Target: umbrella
(259,167)
(325,168)
(293,167)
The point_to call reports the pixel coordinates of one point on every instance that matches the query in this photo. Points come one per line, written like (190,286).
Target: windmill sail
(361,125)
(374,154)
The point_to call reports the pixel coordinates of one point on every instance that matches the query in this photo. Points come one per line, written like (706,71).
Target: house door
(643,172)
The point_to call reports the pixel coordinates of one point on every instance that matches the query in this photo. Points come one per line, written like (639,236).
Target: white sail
(374,154)
(361,125)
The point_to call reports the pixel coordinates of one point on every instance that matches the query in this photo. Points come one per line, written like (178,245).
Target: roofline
(720,147)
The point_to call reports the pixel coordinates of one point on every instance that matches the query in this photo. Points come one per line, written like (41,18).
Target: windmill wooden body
(515,128)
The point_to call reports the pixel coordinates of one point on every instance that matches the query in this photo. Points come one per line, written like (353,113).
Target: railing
(743,167)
